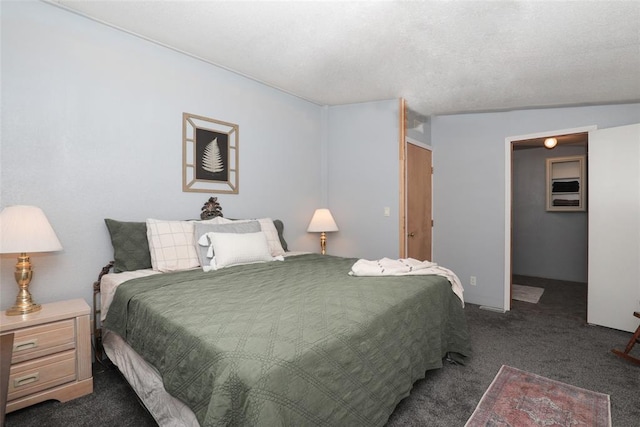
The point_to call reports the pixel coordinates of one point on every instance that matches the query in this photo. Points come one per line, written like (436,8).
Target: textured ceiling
(441,56)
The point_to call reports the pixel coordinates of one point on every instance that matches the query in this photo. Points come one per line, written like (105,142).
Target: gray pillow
(240,228)
(280,227)
(130,245)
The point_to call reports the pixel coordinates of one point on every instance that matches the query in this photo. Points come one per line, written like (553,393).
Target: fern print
(211,158)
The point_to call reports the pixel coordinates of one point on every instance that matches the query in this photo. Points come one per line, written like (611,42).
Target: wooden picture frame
(209,155)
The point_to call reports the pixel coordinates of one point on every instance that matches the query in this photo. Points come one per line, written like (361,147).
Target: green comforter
(292,343)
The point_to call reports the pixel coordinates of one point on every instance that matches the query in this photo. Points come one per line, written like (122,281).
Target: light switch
(387,211)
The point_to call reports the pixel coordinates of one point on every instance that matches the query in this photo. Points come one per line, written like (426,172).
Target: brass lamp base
(24,304)
(19,310)
(323,243)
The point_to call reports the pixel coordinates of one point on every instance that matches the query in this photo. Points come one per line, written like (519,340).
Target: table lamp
(322,222)
(25,229)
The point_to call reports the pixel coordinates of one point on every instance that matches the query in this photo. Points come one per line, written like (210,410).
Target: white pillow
(172,244)
(271,233)
(204,249)
(243,248)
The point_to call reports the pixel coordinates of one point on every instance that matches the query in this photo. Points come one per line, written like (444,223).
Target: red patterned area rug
(520,399)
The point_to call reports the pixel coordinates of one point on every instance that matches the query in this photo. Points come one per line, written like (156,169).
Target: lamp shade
(322,221)
(26,229)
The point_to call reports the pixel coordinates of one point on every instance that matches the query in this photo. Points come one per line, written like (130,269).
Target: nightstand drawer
(42,340)
(37,375)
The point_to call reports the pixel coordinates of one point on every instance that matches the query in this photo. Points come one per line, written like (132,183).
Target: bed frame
(98,350)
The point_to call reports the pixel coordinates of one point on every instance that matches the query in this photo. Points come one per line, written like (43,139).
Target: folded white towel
(406,267)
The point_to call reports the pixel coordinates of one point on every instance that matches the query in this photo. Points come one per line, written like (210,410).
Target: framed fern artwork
(209,155)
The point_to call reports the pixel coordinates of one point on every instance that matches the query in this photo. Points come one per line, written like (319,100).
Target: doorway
(538,242)
(416,176)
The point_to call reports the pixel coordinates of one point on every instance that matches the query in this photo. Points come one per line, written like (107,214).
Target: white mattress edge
(145,380)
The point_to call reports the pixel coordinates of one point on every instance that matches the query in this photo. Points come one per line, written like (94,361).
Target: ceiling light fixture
(550,143)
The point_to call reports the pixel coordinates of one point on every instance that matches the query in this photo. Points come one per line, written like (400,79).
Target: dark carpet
(550,338)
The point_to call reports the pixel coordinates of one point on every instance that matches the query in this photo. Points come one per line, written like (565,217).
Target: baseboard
(494,309)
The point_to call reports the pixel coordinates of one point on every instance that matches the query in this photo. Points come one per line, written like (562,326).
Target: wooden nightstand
(51,354)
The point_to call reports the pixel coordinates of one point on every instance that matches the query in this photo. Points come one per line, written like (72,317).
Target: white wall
(469,185)
(92,128)
(545,244)
(363,179)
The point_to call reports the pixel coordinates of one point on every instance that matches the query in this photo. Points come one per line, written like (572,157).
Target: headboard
(211,209)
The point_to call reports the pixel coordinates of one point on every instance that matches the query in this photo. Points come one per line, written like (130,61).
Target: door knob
(412,234)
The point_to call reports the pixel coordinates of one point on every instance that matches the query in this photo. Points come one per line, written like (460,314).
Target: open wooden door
(419,202)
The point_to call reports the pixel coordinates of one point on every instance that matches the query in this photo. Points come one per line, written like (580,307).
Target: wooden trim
(580,162)
(83,347)
(50,313)
(412,141)
(402,214)
(62,393)
(6,346)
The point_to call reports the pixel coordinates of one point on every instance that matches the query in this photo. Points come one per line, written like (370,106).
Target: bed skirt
(147,383)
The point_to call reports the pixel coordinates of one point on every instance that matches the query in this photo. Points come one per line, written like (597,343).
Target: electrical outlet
(472,280)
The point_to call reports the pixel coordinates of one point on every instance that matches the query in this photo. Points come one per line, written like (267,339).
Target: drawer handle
(27,379)
(25,345)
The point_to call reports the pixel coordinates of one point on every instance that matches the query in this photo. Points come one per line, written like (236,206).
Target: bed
(293,340)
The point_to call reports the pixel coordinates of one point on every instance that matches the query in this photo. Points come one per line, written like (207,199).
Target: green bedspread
(292,343)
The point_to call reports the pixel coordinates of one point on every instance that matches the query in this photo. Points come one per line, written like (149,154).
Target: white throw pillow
(232,249)
(172,244)
(204,248)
